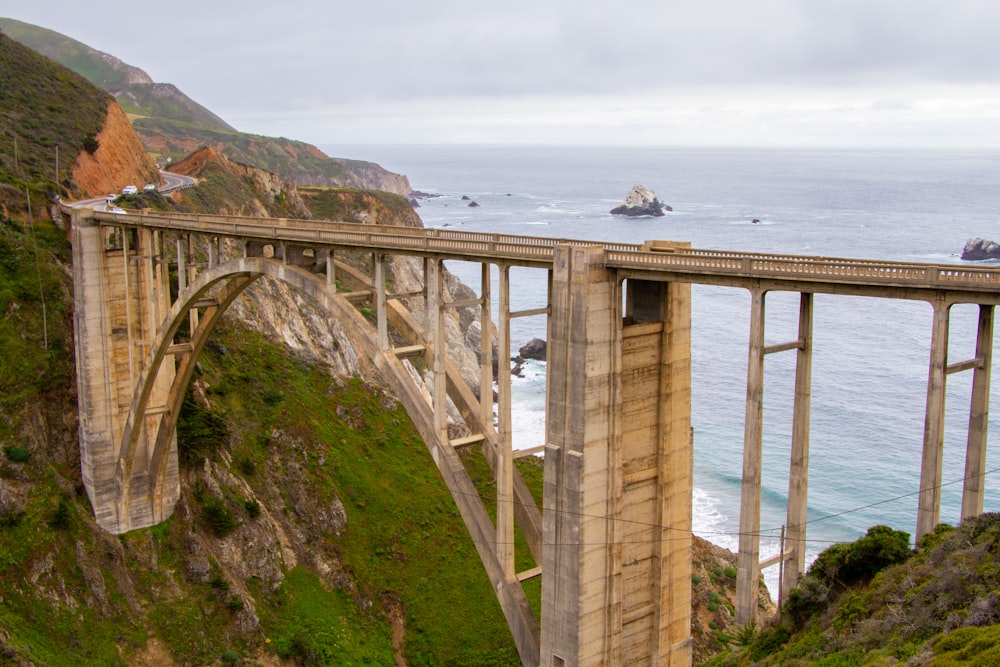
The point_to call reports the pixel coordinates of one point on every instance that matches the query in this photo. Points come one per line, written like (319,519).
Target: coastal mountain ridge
(171,125)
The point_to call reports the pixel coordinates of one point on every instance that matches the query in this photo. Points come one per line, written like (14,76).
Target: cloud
(523,68)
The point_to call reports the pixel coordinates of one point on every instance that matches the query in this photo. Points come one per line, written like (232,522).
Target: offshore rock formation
(978,249)
(641,202)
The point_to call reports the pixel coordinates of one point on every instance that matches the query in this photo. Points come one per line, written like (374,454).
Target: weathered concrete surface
(119,295)
(617,515)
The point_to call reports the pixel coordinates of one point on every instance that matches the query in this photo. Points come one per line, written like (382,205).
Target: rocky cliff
(295,160)
(118,160)
(231,188)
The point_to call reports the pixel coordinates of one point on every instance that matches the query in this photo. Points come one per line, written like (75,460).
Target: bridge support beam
(975,454)
(929,500)
(798,469)
(121,291)
(616,571)
(748,558)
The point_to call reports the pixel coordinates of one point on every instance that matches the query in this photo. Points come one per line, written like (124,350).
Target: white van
(130,190)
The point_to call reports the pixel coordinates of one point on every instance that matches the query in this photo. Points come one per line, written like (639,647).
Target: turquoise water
(870,355)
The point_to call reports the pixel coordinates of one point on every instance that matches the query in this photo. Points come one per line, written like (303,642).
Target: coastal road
(172,183)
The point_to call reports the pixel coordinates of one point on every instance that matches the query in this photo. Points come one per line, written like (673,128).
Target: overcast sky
(839,73)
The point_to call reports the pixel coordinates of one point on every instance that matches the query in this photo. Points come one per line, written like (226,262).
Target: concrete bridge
(612,541)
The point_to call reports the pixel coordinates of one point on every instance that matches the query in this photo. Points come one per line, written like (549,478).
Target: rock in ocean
(641,202)
(976,249)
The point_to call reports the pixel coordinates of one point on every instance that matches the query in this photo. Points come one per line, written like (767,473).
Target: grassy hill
(171,125)
(46,109)
(877,603)
(131,87)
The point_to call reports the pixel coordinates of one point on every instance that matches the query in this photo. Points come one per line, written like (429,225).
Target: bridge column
(434,285)
(119,293)
(616,578)
(486,350)
(378,266)
(504,469)
(929,502)
(975,454)
(748,558)
(798,472)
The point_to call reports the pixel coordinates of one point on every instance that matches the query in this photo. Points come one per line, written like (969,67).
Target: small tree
(91,143)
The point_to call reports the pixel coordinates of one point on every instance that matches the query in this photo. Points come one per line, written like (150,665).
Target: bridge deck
(654,261)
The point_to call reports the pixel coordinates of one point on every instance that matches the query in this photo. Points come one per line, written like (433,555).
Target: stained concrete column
(95,386)
(929,503)
(748,559)
(486,350)
(505,458)
(574,504)
(435,327)
(616,572)
(798,473)
(975,453)
(378,262)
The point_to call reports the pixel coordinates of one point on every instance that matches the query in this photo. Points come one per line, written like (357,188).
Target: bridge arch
(150,428)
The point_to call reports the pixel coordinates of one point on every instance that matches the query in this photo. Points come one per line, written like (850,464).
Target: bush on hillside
(844,565)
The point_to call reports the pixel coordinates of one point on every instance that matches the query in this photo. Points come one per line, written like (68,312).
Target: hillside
(133,89)
(171,125)
(875,602)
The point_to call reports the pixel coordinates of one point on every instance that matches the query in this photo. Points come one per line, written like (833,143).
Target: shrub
(218,517)
(252,507)
(90,143)
(845,564)
(199,431)
(60,519)
(17,454)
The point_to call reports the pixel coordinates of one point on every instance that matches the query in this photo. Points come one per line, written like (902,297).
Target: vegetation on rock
(876,602)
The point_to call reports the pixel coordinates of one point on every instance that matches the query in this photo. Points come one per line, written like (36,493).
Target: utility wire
(769,532)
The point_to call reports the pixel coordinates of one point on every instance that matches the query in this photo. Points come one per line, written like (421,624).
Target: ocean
(870,355)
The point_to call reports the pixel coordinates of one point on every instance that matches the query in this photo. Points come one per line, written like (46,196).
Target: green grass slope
(133,89)
(876,603)
(45,108)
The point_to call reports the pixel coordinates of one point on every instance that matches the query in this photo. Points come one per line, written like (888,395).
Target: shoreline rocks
(978,249)
(641,202)
(533,349)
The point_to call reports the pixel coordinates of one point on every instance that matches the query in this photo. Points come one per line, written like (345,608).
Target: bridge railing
(810,268)
(538,250)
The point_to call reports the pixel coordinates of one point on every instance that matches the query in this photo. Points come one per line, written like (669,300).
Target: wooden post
(798,474)
(748,561)
(975,453)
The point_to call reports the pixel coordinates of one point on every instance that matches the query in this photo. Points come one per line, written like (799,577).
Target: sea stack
(641,202)
(977,249)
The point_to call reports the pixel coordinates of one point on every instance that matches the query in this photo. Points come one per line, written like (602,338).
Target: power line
(768,532)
